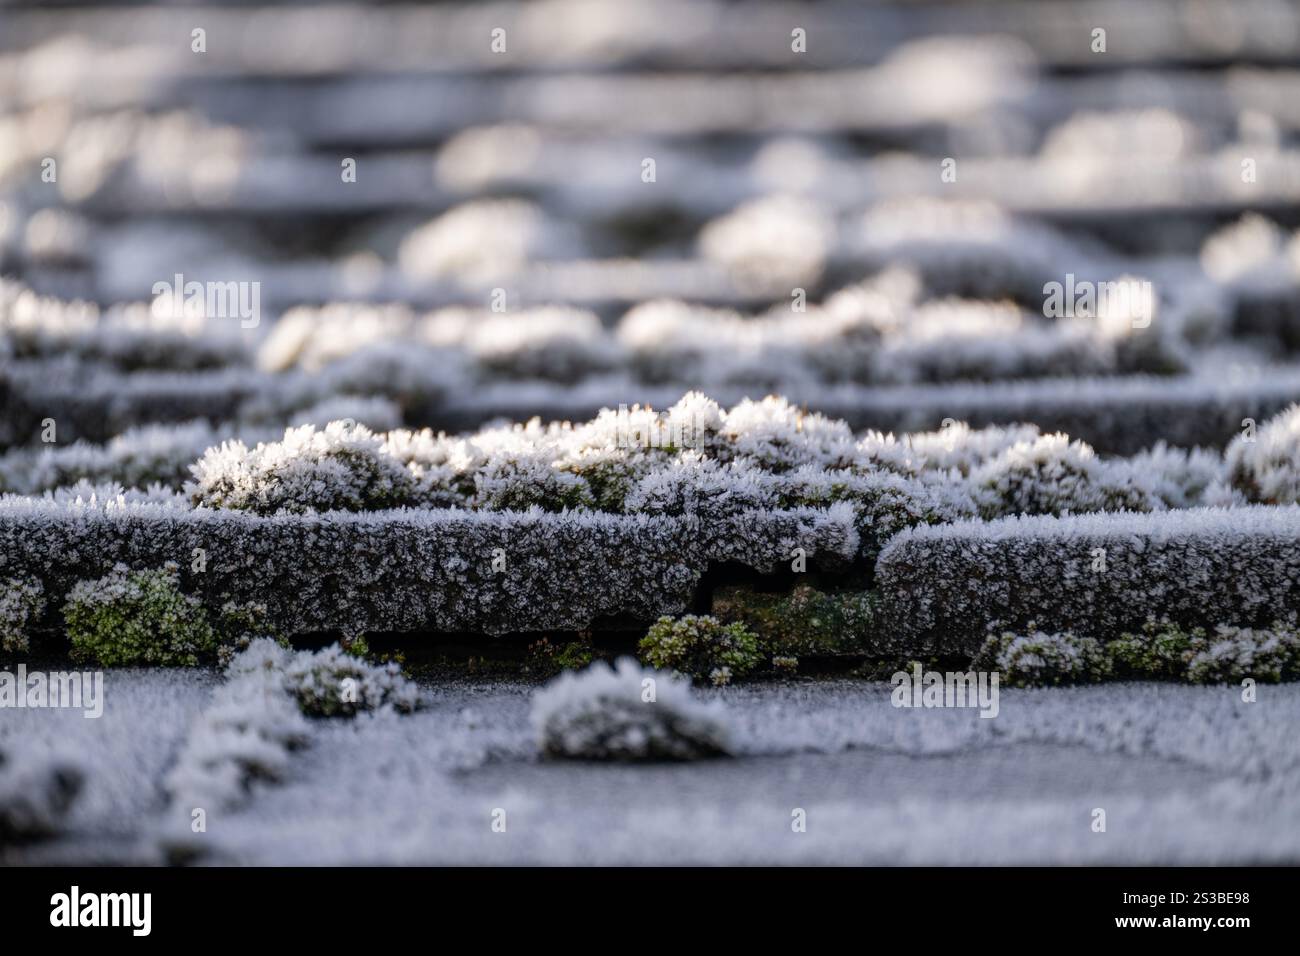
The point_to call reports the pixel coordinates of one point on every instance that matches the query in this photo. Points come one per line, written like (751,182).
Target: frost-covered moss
(957,447)
(1226,654)
(518,482)
(331,682)
(1183,478)
(342,467)
(335,683)
(1039,659)
(238,624)
(245,735)
(138,617)
(694,460)
(1231,654)
(1052,475)
(702,647)
(1265,466)
(626,713)
(805,622)
(1160,650)
(21,603)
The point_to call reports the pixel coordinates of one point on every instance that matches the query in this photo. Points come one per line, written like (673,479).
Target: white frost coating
(562,344)
(1185,478)
(1100,574)
(244,735)
(1236,652)
(415,790)
(1265,466)
(1043,659)
(693,484)
(342,466)
(312,337)
(967,245)
(255,719)
(693,460)
(603,713)
(1120,134)
(956,446)
(331,682)
(1053,475)
(873,336)
(1159,527)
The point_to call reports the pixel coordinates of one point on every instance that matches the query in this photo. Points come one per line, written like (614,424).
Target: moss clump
(21,602)
(546,659)
(1231,654)
(1038,659)
(239,624)
(336,683)
(1225,655)
(138,618)
(702,647)
(1160,651)
(805,622)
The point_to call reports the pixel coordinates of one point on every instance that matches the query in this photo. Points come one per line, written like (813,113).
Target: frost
(340,467)
(966,247)
(603,713)
(1038,659)
(693,484)
(1231,654)
(256,719)
(138,617)
(21,602)
(1250,251)
(1226,654)
(245,734)
(1265,467)
(956,447)
(1052,475)
(1183,478)
(332,682)
(947,586)
(553,343)
(694,460)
